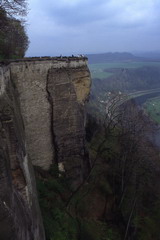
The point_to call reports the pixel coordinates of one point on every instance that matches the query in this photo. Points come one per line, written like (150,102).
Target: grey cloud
(83,12)
(88,11)
(93,26)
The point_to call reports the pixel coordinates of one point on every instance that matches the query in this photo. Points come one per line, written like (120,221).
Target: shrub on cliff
(13,38)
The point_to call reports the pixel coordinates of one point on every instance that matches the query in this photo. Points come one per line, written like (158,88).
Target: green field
(152,107)
(98,70)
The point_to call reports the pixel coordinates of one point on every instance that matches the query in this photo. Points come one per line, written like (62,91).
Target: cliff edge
(42,117)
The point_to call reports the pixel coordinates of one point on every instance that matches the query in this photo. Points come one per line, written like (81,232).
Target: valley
(137,79)
(104,70)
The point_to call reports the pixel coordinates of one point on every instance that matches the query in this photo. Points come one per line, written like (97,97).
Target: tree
(133,167)
(14,7)
(132,162)
(3,19)
(13,39)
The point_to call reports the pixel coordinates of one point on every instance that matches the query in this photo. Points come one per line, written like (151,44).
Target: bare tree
(14,7)
(134,165)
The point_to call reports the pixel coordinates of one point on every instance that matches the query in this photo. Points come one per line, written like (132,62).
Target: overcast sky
(92,26)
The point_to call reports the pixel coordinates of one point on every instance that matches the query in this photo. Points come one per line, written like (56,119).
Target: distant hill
(128,80)
(113,57)
(149,55)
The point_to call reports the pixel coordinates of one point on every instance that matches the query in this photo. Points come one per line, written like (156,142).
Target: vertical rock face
(42,117)
(67,90)
(52,94)
(20,217)
(30,80)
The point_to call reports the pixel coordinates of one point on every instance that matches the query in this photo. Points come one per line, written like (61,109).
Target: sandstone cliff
(52,94)
(42,117)
(20,216)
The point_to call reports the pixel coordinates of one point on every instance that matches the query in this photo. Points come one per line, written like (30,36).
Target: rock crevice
(50,100)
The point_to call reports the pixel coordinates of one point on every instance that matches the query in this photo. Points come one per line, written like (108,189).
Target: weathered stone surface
(20,216)
(80,78)
(65,87)
(30,81)
(52,95)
